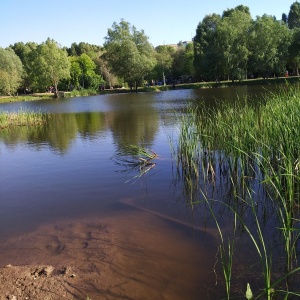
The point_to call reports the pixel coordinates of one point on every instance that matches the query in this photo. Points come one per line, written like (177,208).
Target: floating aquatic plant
(135,159)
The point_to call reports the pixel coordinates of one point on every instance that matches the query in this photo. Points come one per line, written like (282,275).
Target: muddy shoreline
(107,258)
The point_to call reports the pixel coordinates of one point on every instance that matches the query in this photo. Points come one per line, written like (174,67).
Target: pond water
(70,172)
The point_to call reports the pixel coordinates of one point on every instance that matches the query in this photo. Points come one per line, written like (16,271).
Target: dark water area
(67,170)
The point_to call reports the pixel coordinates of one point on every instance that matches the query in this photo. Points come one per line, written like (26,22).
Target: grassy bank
(21,98)
(249,151)
(22,118)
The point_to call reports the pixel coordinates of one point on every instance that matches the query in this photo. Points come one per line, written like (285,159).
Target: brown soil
(132,255)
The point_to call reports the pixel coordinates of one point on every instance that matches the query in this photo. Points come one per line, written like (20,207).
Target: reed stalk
(133,158)
(252,148)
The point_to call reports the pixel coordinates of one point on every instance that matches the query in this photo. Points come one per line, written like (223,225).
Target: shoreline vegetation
(255,154)
(156,88)
(22,118)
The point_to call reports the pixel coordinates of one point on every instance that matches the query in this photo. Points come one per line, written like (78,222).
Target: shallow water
(68,172)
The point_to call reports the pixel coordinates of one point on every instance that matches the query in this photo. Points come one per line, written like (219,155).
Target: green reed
(22,118)
(135,158)
(246,144)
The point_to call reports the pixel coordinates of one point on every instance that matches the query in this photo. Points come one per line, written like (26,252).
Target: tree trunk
(56,94)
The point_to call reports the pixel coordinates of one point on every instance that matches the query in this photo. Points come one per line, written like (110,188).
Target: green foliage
(21,118)
(240,8)
(269,40)
(232,36)
(234,46)
(84,48)
(183,59)
(294,51)
(206,56)
(249,294)
(128,53)
(239,142)
(25,53)
(164,59)
(294,16)
(82,72)
(49,64)
(11,70)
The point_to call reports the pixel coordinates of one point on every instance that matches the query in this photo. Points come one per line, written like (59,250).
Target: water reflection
(63,171)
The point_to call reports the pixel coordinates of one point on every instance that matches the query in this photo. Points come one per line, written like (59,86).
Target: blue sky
(68,21)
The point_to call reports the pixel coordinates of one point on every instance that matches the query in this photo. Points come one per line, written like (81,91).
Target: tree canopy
(128,53)
(11,71)
(294,15)
(49,65)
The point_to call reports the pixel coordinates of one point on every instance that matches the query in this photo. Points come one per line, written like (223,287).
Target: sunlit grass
(249,145)
(22,118)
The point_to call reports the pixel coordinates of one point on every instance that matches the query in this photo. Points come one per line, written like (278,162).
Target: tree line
(231,46)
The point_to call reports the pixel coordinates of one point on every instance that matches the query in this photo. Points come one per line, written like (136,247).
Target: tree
(164,59)
(241,8)
(294,15)
(294,51)
(24,51)
(128,53)
(77,49)
(83,72)
(11,70)
(206,56)
(183,60)
(106,73)
(284,18)
(49,65)
(232,43)
(269,44)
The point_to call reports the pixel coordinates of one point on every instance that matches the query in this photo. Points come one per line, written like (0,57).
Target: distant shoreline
(158,88)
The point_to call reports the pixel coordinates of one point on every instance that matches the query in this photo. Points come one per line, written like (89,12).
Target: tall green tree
(232,43)
(294,51)
(106,73)
(164,59)
(269,43)
(183,60)
(128,53)
(206,56)
(83,72)
(294,16)
(49,65)
(25,53)
(11,70)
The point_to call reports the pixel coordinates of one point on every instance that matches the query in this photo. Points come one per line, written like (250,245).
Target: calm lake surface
(71,169)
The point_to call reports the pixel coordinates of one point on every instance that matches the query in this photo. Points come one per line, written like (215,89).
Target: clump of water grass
(22,118)
(248,149)
(134,158)
(84,92)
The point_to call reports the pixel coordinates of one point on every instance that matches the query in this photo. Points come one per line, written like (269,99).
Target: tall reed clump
(135,158)
(253,148)
(22,118)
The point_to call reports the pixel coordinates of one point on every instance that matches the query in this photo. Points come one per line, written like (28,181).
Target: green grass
(249,146)
(135,159)
(21,98)
(22,118)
